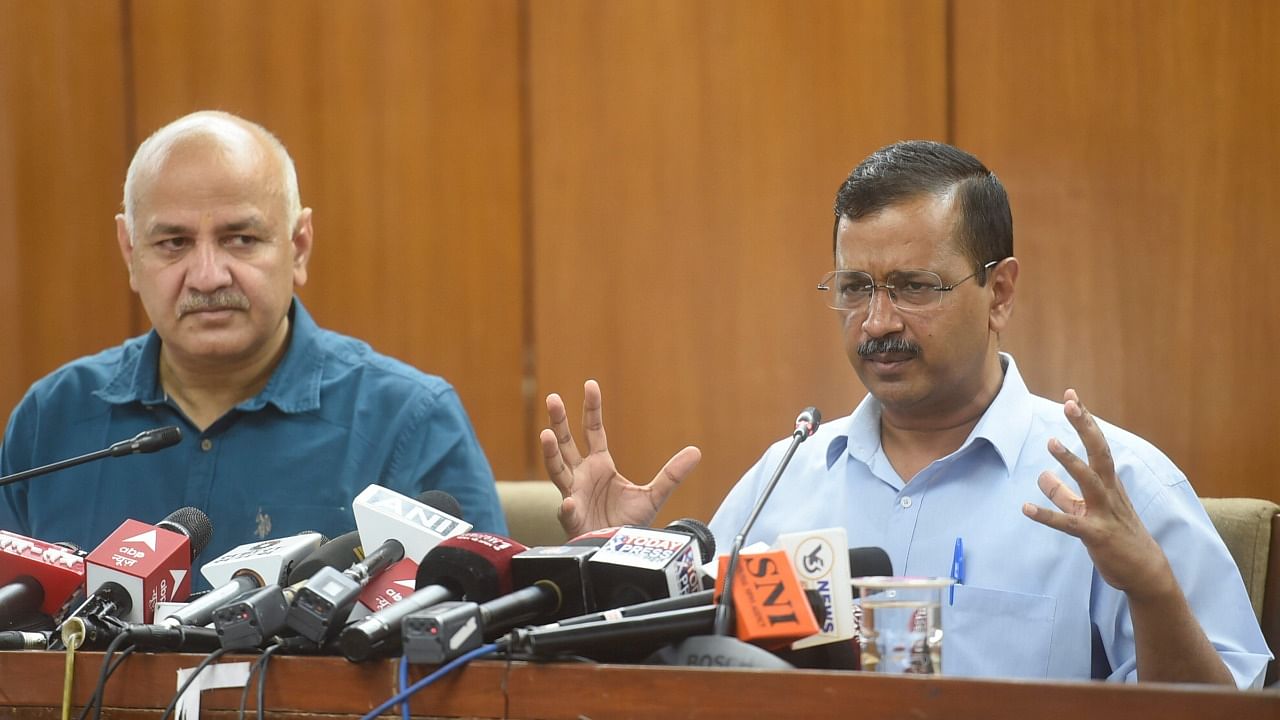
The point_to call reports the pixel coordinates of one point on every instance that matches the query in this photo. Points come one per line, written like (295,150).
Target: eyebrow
(254,223)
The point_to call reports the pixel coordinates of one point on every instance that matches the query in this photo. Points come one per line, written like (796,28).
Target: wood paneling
(1138,142)
(685,159)
(63,289)
(403,119)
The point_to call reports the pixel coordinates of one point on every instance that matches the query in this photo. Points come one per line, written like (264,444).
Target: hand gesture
(595,494)
(1122,549)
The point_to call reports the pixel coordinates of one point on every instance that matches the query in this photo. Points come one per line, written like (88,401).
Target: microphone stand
(721,647)
(144,442)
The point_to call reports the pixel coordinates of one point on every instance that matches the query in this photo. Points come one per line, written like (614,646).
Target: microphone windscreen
(193,523)
(160,438)
(869,562)
(442,501)
(339,554)
(475,565)
(700,532)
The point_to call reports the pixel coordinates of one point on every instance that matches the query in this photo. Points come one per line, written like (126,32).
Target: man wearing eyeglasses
(1124,578)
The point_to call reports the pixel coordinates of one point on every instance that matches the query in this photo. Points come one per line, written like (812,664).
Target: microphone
(401,527)
(245,567)
(553,581)
(417,523)
(631,638)
(257,615)
(471,565)
(134,569)
(36,576)
(24,640)
(148,563)
(637,564)
(806,425)
(146,441)
(322,604)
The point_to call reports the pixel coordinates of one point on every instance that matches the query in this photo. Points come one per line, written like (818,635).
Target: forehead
(201,177)
(916,233)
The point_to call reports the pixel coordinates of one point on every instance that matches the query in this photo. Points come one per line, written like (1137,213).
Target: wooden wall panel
(403,119)
(63,289)
(1139,144)
(685,159)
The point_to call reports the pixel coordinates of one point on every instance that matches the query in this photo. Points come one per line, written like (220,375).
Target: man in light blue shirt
(283,422)
(949,444)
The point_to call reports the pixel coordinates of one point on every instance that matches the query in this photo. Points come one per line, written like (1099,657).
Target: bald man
(283,422)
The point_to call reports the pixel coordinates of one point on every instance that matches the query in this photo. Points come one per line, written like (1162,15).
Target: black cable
(195,673)
(103,674)
(262,678)
(244,694)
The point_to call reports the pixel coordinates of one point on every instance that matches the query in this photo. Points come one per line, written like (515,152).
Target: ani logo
(263,528)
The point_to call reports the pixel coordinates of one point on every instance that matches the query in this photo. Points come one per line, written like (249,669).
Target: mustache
(226,299)
(889,345)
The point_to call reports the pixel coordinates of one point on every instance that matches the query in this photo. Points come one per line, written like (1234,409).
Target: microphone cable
(258,665)
(454,664)
(195,673)
(109,667)
(404,685)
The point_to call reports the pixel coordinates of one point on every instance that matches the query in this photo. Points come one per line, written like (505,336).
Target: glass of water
(901,623)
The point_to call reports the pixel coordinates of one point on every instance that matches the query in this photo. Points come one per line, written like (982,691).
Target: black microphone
(259,614)
(24,640)
(321,606)
(472,565)
(806,424)
(629,638)
(144,442)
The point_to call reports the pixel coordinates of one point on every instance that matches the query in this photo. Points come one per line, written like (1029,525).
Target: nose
(882,315)
(208,270)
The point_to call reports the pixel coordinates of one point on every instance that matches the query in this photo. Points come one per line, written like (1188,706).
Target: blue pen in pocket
(957,568)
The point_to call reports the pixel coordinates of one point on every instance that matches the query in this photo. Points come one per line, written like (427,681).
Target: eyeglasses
(908,289)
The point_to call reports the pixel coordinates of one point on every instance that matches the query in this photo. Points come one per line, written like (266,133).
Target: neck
(206,390)
(915,437)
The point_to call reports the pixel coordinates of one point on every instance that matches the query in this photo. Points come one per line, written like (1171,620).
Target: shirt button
(206,444)
(906,501)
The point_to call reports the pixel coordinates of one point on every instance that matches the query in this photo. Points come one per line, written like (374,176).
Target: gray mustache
(876,346)
(220,300)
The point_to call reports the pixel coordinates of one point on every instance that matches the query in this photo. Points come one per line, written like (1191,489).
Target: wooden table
(31,687)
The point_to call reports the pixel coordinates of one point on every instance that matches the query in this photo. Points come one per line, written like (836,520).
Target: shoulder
(85,375)
(353,362)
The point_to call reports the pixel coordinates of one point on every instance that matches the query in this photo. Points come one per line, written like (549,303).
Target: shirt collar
(1004,425)
(294,385)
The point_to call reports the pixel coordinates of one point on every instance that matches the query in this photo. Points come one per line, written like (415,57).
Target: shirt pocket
(997,633)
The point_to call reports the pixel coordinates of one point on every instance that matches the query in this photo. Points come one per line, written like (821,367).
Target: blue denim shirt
(1031,596)
(334,417)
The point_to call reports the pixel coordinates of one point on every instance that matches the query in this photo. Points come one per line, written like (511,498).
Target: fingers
(1062,522)
(1059,494)
(672,474)
(560,432)
(593,418)
(552,457)
(1091,486)
(1095,444)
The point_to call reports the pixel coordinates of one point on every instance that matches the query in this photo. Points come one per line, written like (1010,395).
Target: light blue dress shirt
(334,418)
(1031,593)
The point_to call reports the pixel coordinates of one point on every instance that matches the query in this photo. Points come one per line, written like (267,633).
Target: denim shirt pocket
(997,633)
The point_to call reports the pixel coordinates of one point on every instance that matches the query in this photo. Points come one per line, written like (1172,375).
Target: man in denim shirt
(950,444)
(283,422)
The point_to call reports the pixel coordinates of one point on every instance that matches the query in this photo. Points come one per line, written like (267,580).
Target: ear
(126,249)
(1001,280)
(301,241)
